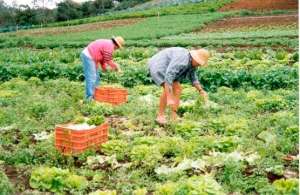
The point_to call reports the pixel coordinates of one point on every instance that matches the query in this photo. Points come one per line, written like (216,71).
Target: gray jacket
(172,64)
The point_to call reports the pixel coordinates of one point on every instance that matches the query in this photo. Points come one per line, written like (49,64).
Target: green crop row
(252,41)
(234,69)
(163,31)
(272,78)
(238,35)
(246,129)
(150,28)
(137,56)
(219,43)
(286,42)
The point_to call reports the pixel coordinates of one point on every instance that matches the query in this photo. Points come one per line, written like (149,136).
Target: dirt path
(261,5)
(248,22)
(18,178)
(79,28)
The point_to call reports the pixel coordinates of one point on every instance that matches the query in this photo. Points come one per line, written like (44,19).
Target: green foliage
(141,191)
(188,129)
(232,175)
(106,192)
(96,120)
(224,139)
(145,156)
(225,69)
(189,8)
(38,110)
(295,57)
(195,185)
(287,186)
(149,28)
(117,147)
(173,147)
(241,141)
(5,186)
(56,180)
(273,78)
(96,108)
(79,120)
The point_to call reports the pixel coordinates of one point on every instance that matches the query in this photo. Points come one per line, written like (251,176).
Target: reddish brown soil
(79,28)
(18,178)
(247,47)
(261,5)
(246,22)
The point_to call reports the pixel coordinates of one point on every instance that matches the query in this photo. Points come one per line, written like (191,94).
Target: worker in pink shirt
(98,52)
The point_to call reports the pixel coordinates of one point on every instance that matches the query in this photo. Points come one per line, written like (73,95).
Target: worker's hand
(119,70)
(205,96)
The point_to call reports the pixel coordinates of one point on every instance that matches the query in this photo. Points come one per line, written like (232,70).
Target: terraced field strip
(80,28)
(149,28)
(249,22)
(261,5)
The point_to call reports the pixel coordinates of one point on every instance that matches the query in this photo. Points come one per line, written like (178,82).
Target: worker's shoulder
(104,42)
(174,49)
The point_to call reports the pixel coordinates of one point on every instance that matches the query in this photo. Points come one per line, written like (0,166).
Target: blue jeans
(91,75)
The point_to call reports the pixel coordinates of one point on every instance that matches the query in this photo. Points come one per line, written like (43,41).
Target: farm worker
(98,52)
(168,67)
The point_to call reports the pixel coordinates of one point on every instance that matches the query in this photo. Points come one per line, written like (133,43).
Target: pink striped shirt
(101,51)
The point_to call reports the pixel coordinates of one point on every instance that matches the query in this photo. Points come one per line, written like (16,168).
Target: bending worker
(168,68)
(98,52)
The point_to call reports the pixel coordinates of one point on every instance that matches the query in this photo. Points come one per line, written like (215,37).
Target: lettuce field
(246,141)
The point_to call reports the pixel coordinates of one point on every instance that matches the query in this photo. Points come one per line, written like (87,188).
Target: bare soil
(79,28)
(18,178)
(261,5)
(246,47)
(249,22)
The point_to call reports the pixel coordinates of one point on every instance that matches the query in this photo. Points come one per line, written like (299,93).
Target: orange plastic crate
(69,141)
(114,96)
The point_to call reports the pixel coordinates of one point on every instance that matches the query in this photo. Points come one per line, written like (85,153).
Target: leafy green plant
(5,186)
(38,110)
(195,185)
(173,147)
(272,104)
(117,147)
(79,120)
(242,142)
(56,180)
(105,192)
(145,156)
(287,186)
(232,175)
(93,108)
(188,129)
(141,191)
(96,120)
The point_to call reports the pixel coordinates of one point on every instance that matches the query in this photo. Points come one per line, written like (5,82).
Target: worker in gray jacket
(168,67)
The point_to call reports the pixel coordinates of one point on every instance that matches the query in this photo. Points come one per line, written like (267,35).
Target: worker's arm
(201,91)
(114,66)
(107,54)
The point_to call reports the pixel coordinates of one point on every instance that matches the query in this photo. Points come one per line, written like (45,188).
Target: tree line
(24,15)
